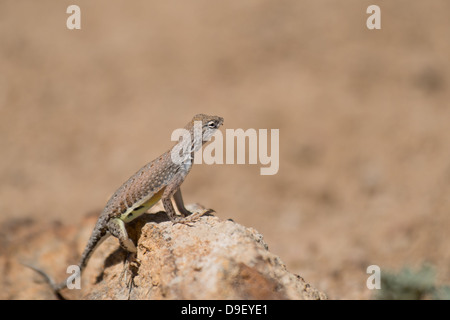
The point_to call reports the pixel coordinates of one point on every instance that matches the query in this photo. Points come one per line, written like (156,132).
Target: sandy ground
(363,115)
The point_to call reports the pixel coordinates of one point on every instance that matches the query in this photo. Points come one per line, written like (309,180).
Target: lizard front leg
(170,210)
(168,206)
(173,188)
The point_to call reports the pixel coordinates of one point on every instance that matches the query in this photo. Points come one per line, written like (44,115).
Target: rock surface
(209,259)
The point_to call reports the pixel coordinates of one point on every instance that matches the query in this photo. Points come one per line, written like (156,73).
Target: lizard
(158,180)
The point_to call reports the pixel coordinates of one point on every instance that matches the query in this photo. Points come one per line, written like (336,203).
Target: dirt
(364,173)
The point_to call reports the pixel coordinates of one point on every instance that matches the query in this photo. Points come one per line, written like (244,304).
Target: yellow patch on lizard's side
(140,208)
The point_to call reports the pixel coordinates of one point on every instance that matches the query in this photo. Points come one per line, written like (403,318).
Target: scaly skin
(158,180)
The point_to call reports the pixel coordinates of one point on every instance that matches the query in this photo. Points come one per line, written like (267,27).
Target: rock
(208,259)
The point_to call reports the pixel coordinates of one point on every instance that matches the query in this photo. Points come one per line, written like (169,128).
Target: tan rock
(209,259)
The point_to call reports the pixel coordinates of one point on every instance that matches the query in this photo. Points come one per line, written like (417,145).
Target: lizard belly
(140,208)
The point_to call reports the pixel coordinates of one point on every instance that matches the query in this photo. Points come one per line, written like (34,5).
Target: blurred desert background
(364,120)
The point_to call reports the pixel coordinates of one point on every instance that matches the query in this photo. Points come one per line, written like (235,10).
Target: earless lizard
(158,180)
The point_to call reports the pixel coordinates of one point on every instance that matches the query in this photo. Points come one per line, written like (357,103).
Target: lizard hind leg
(180,203)
(116,228)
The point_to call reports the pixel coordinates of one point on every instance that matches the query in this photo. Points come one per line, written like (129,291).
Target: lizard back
(142,190)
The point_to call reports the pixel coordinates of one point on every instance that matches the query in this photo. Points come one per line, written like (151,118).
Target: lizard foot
(190,219)
(130,268)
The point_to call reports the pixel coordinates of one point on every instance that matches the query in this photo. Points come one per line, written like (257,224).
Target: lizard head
(209,125)
(191,138)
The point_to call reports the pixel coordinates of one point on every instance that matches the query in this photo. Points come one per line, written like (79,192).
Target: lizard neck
(187,146)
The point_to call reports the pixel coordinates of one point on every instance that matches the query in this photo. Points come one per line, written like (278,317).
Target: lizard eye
(212,124)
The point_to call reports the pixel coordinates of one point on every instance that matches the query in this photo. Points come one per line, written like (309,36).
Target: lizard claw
(189,220)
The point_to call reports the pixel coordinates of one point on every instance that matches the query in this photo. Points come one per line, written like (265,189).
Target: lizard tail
(56,287)
(97,237)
